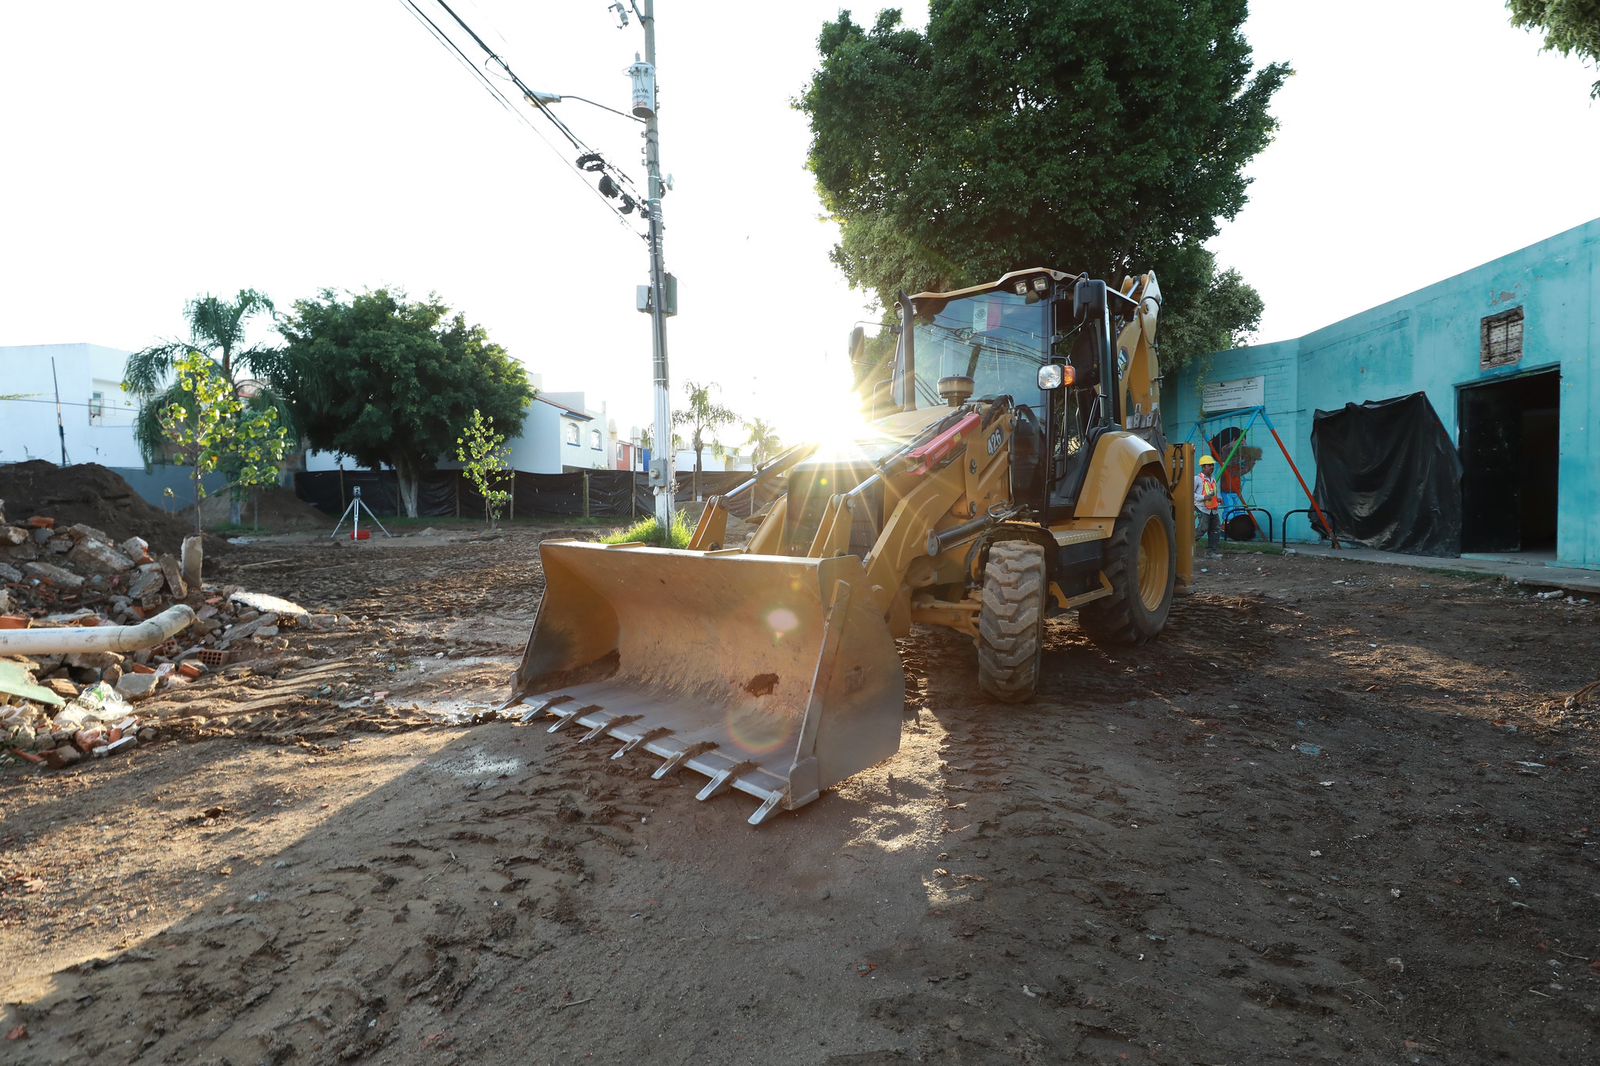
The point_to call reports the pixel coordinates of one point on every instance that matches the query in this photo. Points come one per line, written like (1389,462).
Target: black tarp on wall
(1389,476)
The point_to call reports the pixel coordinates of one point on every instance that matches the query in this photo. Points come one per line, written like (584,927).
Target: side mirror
(1054,375)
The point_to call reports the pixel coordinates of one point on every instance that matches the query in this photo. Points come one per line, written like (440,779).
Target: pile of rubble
(57,708)
(97,722)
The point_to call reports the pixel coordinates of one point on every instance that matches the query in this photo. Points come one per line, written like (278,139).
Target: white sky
(152,152)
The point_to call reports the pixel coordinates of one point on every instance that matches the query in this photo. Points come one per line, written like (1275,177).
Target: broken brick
(62,757)
(40,521)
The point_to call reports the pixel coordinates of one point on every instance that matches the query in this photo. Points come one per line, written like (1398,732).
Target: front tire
(1011,622)
(1141,563)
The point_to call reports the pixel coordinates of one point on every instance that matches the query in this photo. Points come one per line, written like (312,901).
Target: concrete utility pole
(663,477)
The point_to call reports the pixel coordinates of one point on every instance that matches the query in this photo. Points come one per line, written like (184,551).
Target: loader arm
(1025,410)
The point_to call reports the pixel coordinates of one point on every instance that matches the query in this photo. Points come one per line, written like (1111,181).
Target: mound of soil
(91,494)
(277,510)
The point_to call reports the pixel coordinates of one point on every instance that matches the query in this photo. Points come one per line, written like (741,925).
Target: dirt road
(1339,813)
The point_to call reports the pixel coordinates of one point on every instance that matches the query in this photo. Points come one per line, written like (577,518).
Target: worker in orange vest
(1208,502)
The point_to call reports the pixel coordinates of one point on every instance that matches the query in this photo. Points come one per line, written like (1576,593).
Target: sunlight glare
(839,426)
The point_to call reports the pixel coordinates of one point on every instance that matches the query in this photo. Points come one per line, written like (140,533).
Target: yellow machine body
(770,667)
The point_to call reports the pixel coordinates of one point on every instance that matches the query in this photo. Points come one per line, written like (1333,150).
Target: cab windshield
(998,339)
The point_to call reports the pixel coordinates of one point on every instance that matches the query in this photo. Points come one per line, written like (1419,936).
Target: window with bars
(1501,340)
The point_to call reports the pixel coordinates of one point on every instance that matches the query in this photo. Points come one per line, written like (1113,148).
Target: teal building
(1505,354)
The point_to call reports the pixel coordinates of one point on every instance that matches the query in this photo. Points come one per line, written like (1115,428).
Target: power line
(555,120)
(499,97)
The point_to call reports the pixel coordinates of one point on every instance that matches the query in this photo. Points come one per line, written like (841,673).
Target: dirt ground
(1338,813)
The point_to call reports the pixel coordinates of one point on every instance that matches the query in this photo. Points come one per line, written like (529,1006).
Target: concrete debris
(57,710)
(174,576)
(146,582)
(50,574)
(99,557)
(260,601)
(96,723)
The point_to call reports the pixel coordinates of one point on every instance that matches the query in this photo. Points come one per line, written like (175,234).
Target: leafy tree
(485,460)
(383,380)
(1569,27)
(1065,133)
(217,331)
(208,427)
(763,441)
(704,416)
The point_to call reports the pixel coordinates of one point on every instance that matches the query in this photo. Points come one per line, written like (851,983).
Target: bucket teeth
(724,773)
(764,811)
(542,708)
(675,761)
(642,738)
(720,780)
(621,719)
(563,717)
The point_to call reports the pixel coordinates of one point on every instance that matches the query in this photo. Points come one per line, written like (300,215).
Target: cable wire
(530,96)
(499,97)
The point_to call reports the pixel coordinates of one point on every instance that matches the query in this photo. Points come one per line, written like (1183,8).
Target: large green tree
(1571,27)
(387,381)
(1075,134)
(218,329)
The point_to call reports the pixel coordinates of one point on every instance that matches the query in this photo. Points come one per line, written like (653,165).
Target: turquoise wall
(1428,341)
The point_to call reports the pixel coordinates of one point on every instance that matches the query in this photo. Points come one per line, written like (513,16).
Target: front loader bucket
(772,675)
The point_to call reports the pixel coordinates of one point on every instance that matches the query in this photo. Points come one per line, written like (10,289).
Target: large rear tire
(1141,562)
(1011,623)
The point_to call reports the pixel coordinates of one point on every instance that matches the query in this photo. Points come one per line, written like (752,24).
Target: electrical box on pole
(644,88)
(644,297)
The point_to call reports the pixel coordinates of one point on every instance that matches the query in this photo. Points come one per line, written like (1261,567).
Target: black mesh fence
(617,494)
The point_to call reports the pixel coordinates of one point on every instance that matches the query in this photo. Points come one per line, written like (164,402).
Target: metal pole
(61,427)
(662,474)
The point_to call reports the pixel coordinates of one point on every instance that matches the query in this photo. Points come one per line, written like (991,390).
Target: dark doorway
(1510,450)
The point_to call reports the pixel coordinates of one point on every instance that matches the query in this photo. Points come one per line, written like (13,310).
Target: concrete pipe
(64,640)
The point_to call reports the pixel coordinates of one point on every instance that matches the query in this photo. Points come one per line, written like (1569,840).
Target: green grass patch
(1247,547)
(648,531)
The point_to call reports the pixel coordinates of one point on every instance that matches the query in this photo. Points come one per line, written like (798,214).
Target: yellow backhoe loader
(1016,469)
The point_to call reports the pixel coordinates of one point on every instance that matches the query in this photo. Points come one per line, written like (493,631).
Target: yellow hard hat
(1206,460)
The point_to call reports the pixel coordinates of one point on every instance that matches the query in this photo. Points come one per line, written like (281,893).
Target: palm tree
(763,441)
(704,416)
(216,330)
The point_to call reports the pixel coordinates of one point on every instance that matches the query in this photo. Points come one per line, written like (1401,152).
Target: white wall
(28,423)
(537,449)
(730,460)
(542,448)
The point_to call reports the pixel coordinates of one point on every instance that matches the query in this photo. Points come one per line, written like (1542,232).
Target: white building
(730,459)
(561,433)
(96,415)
